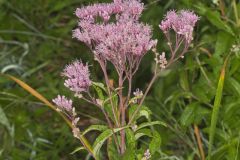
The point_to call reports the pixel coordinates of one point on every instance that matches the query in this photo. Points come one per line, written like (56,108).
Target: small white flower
(138,93)
(76,132)
(75,121)
(154,50)
(59,110)
(235,48)
(74,112)
(134,127)
(78,95)
(147,154)
(161,60)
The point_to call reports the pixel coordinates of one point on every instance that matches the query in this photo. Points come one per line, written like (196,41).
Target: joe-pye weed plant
(116,37)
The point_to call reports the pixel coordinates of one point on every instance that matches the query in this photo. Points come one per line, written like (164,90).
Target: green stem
(236,13)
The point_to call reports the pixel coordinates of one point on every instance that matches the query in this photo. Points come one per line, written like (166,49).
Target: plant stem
(199,142)
(92,101)
(222,8)
(129,90)
(110,125)
(236,13)
(144,96)
(109,91)
(122,111)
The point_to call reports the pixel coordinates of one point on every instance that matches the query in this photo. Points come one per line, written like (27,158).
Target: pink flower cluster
(77,75)
(78,80)
(63,103)
(130,8)
(120,38)
(182,23)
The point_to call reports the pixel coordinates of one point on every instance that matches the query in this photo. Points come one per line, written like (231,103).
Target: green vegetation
(198,97)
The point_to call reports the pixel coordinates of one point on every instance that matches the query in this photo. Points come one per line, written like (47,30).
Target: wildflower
(76,132)
(63,103)
(74,113)
(77,75)
(123,41)
(75,121)
(235,48)
(130,8)
(138,93)
(161,60)
(182,23)
(75,129)
(147,154)
(134,127)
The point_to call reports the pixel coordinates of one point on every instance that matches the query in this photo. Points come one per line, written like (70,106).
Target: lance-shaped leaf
(217,103)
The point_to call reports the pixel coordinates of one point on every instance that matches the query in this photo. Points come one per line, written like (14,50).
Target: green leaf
(102,138)
(99,90)
(184,80)
(234,85)
(100,85)
(155,143)
(112,150)
(130,138)
(96,128)
(130,145)
(147,124)
(221,151)
(144,112)
(109,108)
(231,115)
(215,18)
(200,113)
(131,110)
(199,90)
(224,42)
(188,114)
(100,141)
(193,113)
(143,132)
(216,107)
(77,150)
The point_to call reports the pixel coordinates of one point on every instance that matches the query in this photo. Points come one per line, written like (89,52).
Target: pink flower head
(77,75)
(124,42)
(122,39)
(63,103)
(167,23)
(182,23)
(106,10)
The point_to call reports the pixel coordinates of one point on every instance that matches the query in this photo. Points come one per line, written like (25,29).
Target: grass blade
(36,94)
(4,121)
(33,92)
(216,107)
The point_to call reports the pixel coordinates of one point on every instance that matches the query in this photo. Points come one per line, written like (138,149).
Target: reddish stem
(122,111)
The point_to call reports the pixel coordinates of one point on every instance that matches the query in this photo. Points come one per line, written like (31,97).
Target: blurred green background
(36,43)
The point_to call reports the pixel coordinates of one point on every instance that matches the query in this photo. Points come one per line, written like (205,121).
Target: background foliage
(36,43)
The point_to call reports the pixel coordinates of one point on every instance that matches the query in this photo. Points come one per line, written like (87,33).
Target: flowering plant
(115,35)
